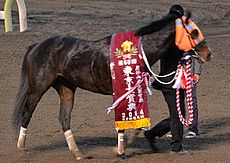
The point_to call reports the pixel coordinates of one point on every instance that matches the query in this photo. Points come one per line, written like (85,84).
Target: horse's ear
(188,16)
(194,33)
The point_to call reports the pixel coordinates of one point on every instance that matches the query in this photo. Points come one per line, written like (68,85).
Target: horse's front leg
(120,144)
(66,105)
(72,145)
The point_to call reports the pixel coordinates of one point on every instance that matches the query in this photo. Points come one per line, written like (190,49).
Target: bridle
(194,48)
(195,53)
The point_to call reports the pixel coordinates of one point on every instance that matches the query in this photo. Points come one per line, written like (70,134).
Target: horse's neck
(157,44)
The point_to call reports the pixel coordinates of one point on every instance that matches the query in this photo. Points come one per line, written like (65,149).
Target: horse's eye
(194,34)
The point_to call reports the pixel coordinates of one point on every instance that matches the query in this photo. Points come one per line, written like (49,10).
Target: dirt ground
(93,129)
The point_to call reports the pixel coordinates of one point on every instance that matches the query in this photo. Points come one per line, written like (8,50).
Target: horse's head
(189,38)
(202,52)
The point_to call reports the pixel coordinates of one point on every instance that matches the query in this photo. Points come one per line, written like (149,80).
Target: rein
(183,72)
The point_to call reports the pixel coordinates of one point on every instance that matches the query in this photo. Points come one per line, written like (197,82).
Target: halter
(196,55)
(184,39)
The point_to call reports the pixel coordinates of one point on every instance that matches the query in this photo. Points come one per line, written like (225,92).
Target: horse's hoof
(123,156)
(21,145)
(78,158)
(77,155)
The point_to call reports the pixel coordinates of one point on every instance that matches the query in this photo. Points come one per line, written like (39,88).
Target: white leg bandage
(70,141)
(22,138)
(120,148)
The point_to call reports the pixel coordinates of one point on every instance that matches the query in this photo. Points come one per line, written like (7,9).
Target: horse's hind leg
(34,97)
(131,137)
(66,92)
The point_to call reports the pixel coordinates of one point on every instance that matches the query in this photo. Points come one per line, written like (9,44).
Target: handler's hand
(196,78)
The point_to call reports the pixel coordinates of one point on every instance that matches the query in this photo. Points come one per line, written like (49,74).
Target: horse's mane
(176,11)
(173,14)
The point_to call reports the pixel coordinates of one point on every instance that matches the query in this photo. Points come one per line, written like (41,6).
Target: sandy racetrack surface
(93,128)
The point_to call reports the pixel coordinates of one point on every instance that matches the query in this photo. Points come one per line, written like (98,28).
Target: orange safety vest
(183,38)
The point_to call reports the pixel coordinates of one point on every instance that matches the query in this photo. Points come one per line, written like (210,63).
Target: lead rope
(188,88)
(155,75)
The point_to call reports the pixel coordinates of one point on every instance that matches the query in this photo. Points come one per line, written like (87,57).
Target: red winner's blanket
(129,82)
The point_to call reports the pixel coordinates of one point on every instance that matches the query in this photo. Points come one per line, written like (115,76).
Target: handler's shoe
(190,135)
(176,148)
(180,152)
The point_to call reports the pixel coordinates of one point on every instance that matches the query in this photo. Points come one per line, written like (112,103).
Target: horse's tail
(22,95)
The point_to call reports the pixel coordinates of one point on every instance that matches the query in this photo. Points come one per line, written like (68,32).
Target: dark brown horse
(66,63)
